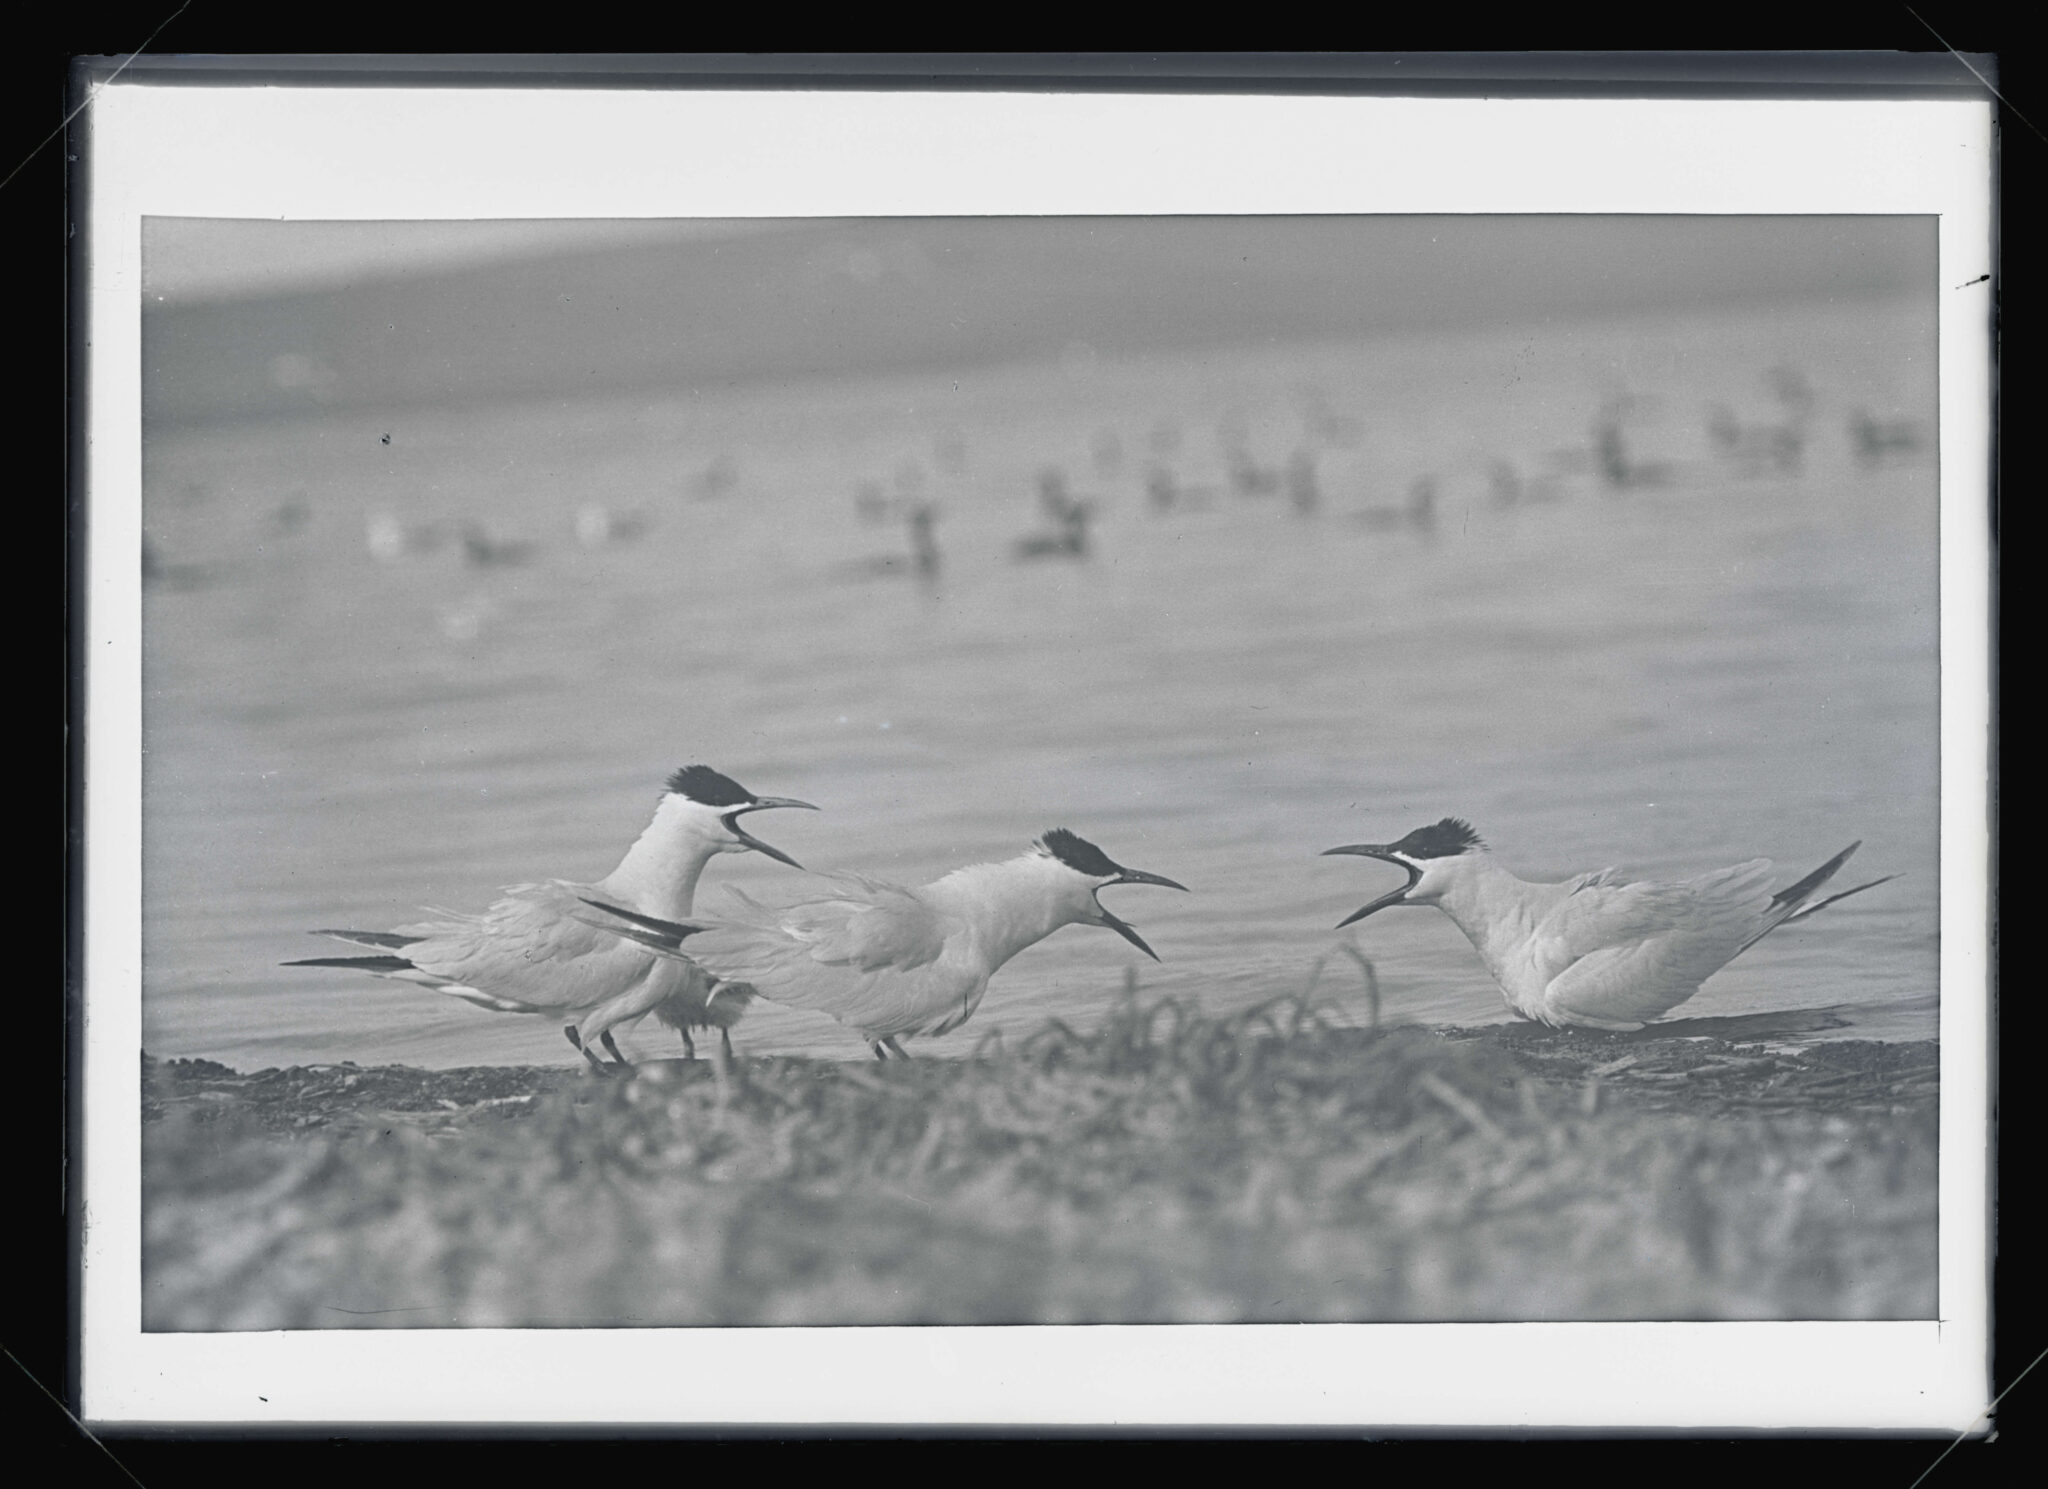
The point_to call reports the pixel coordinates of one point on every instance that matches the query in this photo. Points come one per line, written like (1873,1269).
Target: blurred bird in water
(922,560)
(291,514)
(1419,513)
(1302,490)
(1756,448)
(1596,951)
(890,962)
(158,573)
(1247,476)
(871,502)
(717,479)
(531,952)
(1510,489)
(486,552)
(923,546)
(1069,512)
(1620,466)
(1876,440)
(598,525)
(390,540)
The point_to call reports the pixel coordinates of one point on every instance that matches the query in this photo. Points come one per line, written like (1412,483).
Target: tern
(532,953)
(1876,440)
(1420,513)
(1596,951)
(1302,490)
(890,962)
(1070,513)
(924,554)
(486,552)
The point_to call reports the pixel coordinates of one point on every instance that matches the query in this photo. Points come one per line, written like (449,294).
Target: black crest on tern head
(1445,839)
(706,787)
(1083,857)
(1080,855)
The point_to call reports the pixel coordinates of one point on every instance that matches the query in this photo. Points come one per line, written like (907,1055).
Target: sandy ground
(1169,1167)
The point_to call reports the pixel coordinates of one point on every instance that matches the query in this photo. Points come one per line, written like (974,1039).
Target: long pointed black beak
(1123,928)
(762,804)
(1385,854)
(1139,876)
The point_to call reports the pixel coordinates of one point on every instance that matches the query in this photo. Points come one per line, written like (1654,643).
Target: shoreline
(1728,1075)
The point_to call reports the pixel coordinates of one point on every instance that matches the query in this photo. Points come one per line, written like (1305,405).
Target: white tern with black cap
(532,952)
(1596,951)
(890,962)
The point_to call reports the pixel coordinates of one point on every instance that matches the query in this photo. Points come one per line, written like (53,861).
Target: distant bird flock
(1776,443)
(891,962)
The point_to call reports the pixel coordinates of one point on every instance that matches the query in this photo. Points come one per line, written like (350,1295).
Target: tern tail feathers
(357,963)
(1794,894)
(1789,903)
(1805,910)
(391,939)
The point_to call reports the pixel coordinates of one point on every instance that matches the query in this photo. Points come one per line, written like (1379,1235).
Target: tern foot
(576,1042)
(612,1046)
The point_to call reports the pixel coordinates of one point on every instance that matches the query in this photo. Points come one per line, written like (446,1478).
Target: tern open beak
(1139,876)
(762,804)
(1123,928)
(1385,854)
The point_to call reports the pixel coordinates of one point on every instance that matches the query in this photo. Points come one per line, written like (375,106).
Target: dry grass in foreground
(1167,1168)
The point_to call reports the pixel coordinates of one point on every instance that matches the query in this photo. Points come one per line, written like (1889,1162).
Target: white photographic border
(440,152)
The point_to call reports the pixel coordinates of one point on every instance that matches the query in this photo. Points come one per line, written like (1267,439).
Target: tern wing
(1597,878)
(1625,954)
(870,954)
(528,953)
(869,925)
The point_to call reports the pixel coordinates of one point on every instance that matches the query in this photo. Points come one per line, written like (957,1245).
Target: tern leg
(612,1045)
(689,1045)
(880,1053)
(725,1039)
(576,1040)
(894,1048)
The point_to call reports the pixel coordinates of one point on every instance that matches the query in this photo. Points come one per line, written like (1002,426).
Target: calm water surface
(1730,662)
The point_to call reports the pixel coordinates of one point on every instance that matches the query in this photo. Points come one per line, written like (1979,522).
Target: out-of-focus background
(1219,541)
